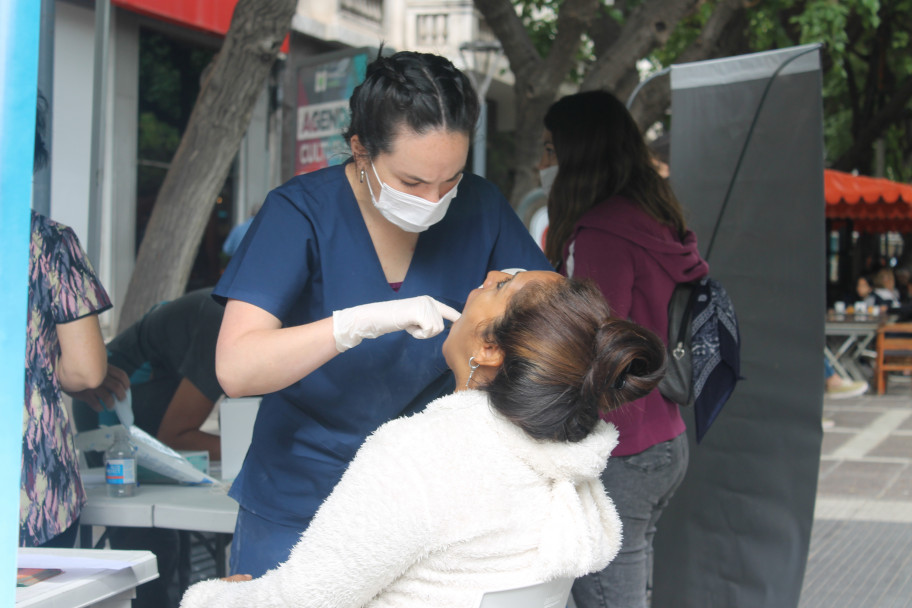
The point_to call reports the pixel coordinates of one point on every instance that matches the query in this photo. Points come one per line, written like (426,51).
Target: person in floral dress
(65,351)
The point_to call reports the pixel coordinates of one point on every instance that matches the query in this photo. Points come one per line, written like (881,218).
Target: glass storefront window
(170,72)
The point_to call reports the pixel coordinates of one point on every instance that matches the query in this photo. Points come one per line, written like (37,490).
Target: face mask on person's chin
(547,176)
(407,211)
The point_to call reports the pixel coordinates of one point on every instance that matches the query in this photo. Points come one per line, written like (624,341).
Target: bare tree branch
(604,31)
(722,36)
(508,28)
(618,48)
(646,29)
(574,18)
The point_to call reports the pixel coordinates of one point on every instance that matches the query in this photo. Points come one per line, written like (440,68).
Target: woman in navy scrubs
(391,240)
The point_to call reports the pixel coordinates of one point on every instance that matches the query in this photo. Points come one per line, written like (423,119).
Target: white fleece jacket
(437,509)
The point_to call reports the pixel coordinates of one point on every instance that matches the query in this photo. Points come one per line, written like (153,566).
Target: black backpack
(704,341)
(704,350)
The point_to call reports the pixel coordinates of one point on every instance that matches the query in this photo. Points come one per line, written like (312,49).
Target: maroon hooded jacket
(636,262)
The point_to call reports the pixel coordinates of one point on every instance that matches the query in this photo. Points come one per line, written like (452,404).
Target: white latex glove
(422,317)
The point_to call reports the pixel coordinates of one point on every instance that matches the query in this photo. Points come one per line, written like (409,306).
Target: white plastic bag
(124,410)
(150,453)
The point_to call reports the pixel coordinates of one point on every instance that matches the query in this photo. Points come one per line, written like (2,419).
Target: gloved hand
(421,316)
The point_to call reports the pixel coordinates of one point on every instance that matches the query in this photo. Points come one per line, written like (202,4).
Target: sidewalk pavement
(861,544)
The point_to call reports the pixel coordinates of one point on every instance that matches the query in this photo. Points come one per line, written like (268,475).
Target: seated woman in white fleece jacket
(493,487)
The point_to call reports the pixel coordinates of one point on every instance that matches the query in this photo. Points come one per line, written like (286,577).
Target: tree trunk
(537,78)
(202,161)
(645,29)
(861,148)
(722,36)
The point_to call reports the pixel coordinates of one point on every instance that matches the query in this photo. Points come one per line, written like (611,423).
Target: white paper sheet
(66,563)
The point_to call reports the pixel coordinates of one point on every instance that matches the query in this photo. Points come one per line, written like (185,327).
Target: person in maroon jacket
(615,220)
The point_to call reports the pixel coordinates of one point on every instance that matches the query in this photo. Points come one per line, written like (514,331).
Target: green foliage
(169,86)
(865,42)
(539,17)
(171,72)
(158,140)
(540,20)
(824,21)
(170,81)
(683,36)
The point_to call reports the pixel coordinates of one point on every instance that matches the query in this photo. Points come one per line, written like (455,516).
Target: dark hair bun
(566,360)
(629,363)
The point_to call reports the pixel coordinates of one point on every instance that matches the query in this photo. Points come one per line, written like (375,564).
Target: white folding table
(91,577)
(850,338)
(178,507)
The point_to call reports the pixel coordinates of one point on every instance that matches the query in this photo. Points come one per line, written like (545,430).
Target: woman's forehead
(546,276)
(435,153)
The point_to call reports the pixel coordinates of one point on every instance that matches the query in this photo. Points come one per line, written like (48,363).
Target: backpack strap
(678,348)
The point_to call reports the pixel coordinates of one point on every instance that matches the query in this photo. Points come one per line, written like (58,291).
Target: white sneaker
(847,389)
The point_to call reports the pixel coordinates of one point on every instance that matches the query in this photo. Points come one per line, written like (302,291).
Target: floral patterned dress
(62,288)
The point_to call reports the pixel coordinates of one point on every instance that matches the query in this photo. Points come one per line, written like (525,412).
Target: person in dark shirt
(167,360)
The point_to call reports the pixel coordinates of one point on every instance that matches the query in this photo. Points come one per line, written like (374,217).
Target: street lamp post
(481,66)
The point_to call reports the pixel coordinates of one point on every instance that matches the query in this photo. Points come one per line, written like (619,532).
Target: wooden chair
(894,352)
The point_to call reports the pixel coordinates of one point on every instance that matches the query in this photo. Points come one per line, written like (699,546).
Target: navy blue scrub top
(308,253)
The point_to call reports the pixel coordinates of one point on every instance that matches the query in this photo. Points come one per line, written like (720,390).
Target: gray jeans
(640,486)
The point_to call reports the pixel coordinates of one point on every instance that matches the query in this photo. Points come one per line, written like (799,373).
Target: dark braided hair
(566,360)
(418,91)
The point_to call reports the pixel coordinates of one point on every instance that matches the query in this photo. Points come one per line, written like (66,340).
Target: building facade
(156,53)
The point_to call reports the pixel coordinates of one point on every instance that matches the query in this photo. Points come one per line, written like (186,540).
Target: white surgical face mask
(409,212)
(547,176)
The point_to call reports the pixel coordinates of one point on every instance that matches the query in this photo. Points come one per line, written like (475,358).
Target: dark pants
(259,544)
(640,486)
(66,539)
(165,544)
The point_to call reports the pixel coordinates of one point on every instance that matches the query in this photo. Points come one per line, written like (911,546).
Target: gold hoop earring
(472,367)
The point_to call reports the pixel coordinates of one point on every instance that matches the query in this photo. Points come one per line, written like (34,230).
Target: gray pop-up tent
(747,134)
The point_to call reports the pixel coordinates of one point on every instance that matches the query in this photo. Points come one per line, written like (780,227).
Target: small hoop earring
(362,176)
(472,367)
